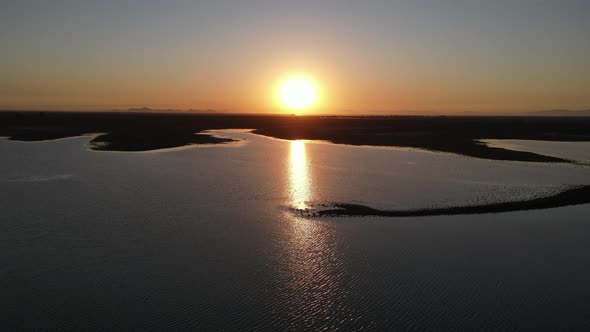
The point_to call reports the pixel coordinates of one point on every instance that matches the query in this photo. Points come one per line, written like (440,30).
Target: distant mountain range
(556,112)
(561,113)
(158,110)
(553,112)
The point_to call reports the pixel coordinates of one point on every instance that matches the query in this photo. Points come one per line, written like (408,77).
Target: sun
(297,93)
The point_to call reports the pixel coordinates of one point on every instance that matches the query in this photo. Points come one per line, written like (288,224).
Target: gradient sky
(369,56)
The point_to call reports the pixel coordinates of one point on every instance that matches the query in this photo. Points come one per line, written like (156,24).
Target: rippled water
(203,238)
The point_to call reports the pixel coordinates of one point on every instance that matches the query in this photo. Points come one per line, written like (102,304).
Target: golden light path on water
(310,246)
(299,177)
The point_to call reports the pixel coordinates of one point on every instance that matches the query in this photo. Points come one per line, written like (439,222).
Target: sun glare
(297,93)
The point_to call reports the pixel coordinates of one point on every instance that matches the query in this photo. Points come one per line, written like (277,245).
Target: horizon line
(147,110)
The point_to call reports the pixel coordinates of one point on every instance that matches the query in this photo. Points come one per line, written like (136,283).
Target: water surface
(577,151)
(202,238)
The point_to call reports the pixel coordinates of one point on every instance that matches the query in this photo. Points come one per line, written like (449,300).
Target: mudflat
(572,196)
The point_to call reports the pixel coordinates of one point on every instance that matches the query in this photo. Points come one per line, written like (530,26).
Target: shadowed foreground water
(202,238)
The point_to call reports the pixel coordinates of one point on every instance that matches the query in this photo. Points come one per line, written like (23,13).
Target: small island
(572,196)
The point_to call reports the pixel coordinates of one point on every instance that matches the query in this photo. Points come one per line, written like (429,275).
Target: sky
(367,57)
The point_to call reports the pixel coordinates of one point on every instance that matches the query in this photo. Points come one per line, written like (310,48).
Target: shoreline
(148,132)
(576,195)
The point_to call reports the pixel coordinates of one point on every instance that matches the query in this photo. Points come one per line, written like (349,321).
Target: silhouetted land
(140,132)
(573,196)
(120,141)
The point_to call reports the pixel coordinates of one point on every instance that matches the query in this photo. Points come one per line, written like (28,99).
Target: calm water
(202,238)
(578,151)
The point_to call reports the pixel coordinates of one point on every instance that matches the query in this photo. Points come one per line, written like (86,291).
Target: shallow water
(577,151)
(202,238)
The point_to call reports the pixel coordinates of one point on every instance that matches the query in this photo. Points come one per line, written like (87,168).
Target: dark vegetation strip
(126,142)
(140,132)
(573,196)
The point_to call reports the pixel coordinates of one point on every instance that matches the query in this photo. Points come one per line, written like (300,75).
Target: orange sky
(372,57)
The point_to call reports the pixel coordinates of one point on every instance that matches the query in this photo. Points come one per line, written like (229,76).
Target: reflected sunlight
(299,178)
(311,256)
(309,246)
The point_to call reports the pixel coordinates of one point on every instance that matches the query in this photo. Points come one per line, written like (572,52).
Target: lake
(204,237)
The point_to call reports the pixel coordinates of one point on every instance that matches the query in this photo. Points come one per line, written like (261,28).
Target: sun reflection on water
(299,177)
(313,270)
